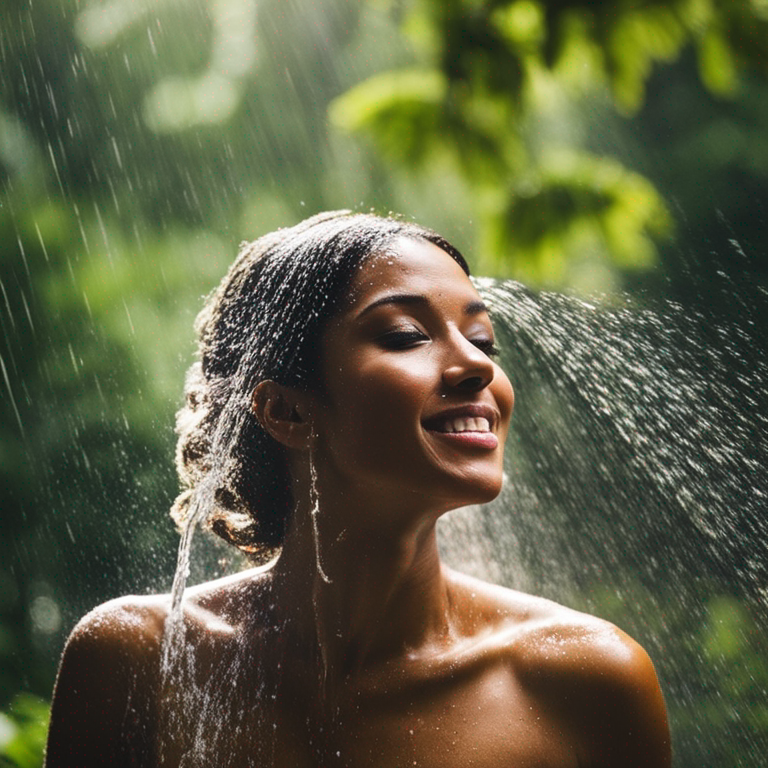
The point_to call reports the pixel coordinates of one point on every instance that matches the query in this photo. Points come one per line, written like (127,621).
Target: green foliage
(735,647)
(403,109)
(730,720)
(482,96)
(569,203)
(631,38)
(412,121)
(23,730)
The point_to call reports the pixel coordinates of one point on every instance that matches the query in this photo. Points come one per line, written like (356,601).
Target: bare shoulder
(229,599)
(134,625)
(105,704)
(547,639)
(591,677)
(107,685)
(126,623)
(597,681)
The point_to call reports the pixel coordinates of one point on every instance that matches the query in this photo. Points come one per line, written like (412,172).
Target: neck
(385,595)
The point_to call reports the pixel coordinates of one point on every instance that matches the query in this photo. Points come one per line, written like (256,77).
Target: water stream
(646,428)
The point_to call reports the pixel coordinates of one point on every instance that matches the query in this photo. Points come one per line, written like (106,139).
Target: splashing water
(180,676)
(654,416)
(226,436)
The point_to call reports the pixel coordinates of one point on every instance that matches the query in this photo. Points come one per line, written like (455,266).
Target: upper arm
(103,700)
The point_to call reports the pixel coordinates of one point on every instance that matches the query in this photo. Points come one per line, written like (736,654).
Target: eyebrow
(416,299)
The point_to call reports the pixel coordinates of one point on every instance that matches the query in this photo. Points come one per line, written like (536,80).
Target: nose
(469,369)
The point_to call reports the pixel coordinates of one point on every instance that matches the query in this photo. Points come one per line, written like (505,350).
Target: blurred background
(616,150)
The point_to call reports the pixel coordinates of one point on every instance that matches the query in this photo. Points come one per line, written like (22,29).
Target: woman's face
(414,407)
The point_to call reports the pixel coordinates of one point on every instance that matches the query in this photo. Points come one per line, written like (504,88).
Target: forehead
(409,265)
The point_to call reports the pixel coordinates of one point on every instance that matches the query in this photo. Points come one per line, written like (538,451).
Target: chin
(489,494)
(479,491)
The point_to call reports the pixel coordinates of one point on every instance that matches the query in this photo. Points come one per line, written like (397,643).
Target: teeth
(471,424)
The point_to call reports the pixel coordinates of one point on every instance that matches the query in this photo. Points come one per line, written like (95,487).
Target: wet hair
(264,321)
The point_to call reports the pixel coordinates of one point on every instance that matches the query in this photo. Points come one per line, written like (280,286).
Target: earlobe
(284,413)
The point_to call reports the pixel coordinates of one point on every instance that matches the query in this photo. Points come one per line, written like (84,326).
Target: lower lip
(486,440)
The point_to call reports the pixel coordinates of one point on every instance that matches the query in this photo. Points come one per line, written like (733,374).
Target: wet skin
(398,660)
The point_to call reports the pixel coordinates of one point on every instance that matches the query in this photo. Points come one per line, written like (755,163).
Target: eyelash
(404,339)
(487,346)
(401,339)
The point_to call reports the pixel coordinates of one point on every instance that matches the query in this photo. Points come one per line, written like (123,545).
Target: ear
(284,412)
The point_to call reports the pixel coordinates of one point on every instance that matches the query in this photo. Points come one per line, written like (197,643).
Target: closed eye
(487,346)
(401,339)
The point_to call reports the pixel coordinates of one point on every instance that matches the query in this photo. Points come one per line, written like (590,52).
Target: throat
(384,599)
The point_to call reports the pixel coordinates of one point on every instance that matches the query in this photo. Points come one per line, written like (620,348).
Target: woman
(346,397)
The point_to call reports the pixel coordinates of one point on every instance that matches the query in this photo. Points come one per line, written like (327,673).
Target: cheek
(375,402)
(504,395)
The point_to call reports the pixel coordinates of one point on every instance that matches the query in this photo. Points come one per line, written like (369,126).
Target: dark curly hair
(264,321)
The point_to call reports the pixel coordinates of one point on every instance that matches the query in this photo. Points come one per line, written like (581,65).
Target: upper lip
(473,410)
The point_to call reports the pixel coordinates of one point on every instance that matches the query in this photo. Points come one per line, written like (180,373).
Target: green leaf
(574,200)
(24,729)
(716,63)
(635,41)
(401,110)
(521,23)
(412,116)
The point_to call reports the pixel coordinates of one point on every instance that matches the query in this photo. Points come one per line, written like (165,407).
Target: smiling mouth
(468,424)
(471,430)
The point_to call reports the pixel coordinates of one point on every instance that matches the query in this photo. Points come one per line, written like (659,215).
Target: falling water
(315,512)
(178,665)
(226,436)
